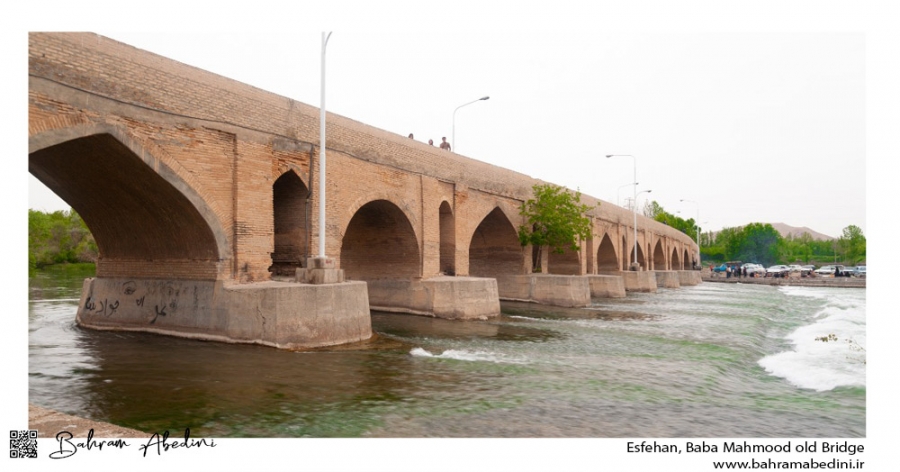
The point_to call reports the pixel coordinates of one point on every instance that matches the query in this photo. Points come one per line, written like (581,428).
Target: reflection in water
(673,364)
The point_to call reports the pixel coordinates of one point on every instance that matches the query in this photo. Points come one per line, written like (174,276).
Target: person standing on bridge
(445,144)
(431,142)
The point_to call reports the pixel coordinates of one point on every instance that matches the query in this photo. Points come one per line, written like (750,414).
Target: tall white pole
(633,199)
(699,262)
(635,225)
(322,155)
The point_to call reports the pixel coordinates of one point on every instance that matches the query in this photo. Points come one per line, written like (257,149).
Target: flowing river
(713,360)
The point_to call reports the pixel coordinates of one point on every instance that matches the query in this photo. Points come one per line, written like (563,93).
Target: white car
(825,271)
(756,269)
(777,271)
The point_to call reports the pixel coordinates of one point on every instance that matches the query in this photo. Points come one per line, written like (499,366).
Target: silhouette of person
(431,142)
(445,144)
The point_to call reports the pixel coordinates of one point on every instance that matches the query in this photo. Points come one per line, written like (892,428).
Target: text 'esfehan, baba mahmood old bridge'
(198,190)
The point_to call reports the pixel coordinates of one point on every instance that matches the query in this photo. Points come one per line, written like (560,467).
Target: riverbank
(49,422)
(843,282)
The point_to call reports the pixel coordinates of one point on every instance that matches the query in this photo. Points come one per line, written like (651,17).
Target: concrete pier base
(636,281)
(689,277)
(278,314)
(454,298)
(606,286)
(546,289)
(667,279)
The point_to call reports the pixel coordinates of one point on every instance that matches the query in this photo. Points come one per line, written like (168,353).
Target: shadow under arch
(676,261)
(147,221)
(380,243)
(607,259)
(659,256)
(495,249)
(290,214)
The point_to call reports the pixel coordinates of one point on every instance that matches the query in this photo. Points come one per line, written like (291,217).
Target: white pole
(699,262)
(322,155)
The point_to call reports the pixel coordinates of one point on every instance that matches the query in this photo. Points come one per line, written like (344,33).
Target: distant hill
(785,230)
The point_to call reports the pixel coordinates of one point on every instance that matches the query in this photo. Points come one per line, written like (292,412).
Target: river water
(713,360)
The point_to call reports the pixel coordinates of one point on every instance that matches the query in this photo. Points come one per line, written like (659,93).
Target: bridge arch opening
(659,257)
(627,253)
(606,255)
(566,263)
(143,217)
(448,240)
(495,249)
(379,244)
(290,200)
(676,261)
(689,261)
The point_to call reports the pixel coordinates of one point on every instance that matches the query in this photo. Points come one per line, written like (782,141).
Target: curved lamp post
(620,188)
(634,199)
(635,227)
(453,136)
(699,263)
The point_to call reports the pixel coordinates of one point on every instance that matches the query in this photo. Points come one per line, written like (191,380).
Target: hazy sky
(753,126)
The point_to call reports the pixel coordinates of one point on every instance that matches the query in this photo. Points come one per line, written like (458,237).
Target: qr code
(23,444)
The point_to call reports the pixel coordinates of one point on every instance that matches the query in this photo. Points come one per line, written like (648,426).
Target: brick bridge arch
(146,216)
(494,247)
(380,242)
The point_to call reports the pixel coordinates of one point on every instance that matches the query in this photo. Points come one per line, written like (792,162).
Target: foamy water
(463,355)
(819,360)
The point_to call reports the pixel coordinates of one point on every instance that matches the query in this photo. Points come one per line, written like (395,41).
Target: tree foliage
(658,213)
(58,237)
(763,244)
(555,217)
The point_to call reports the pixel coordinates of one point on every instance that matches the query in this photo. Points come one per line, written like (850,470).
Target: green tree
(759,243)
(853,244)
(554,217)
(58,237)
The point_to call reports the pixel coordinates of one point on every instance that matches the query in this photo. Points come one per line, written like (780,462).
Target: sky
(745,124)
(768,111)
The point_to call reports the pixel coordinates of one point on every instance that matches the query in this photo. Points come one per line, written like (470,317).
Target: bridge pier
(546,289)
(454,298)
(606,286)
(689,277)
(636,281)
(278,314)
(667,279)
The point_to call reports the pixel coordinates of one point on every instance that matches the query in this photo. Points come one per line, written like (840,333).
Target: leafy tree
(555,217)
(758,243)
(58,237)
(853,244)
(655,211)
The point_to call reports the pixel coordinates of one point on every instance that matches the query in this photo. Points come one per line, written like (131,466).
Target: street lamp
(322,155)
(697,224)
(453,136)
(634,267)
(620,189)
(634,199)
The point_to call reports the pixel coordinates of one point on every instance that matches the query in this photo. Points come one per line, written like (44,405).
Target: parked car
(825,271)
(720,268)
(777,271)
(795,268)
(807,270)
(861,271)
(756,270)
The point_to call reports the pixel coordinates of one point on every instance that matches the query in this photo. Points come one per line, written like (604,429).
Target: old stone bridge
(200,192)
